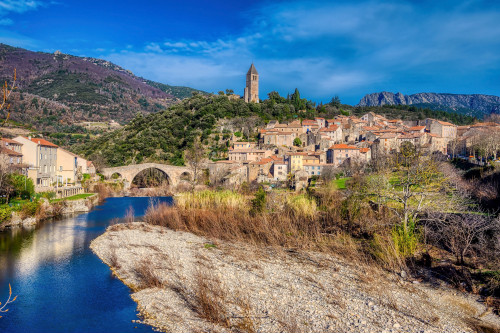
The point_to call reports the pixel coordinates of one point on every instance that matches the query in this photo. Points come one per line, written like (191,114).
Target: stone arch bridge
(174,173)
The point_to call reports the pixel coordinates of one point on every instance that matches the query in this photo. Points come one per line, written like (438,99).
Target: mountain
(57,90)
(471,104)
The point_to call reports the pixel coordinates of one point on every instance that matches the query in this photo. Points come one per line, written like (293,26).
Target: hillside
(470,104)
(164,136)
(57,90)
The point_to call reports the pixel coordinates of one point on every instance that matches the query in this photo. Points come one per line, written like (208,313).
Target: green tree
(259,201)
(335,102)
(297,142)
(22,186)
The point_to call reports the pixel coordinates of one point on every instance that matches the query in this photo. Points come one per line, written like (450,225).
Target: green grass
(340,183)
(72,198)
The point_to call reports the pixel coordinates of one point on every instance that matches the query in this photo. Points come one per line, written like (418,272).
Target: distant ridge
(471,104)
(58,90)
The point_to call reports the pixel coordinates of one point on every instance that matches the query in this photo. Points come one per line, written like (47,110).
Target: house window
(60,168)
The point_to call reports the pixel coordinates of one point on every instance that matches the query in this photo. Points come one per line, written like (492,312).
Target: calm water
(61,285)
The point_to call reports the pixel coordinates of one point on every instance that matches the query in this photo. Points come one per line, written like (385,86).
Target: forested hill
(164,136)
(56,89)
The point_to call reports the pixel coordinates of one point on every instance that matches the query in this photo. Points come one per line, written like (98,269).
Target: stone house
(313,169)
(248,154)
(416,138)
(321,122)
(309,125)
(417,129)
(333,132)
(67,167)
(339,153)
(243,145)
(441,128)
(12,150)
(259,168)
(279,170)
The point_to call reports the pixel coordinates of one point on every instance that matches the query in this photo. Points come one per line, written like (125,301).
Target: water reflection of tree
(150,178)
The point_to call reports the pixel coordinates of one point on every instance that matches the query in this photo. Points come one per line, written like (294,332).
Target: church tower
(252,89)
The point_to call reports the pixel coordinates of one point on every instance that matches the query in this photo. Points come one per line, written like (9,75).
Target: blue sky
(324,48)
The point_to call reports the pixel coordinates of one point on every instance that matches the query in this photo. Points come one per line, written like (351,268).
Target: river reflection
(61,285)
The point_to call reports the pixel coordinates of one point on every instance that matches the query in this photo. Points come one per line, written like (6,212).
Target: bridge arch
(175,174)
(135,179)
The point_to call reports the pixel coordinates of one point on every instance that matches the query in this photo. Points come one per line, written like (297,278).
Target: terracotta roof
(364,149)
(445,123)
(388,135)
(11,141)
(330,128)
(8,151)
(417,128)
(485,124)
(343,147)
(410,135)
(370,128)
(43,142)
(309,122)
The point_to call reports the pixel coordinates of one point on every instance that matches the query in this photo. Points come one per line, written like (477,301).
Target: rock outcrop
(478,104)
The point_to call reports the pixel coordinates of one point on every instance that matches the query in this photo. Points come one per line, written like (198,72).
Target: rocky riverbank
(50,210)
(185,283)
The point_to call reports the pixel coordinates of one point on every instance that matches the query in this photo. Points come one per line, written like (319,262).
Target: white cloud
(18,6)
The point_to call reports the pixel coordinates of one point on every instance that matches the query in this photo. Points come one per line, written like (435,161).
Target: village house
(278,138)
(441,128)
(41,157)
(243,145)
(67,167)
(260,169)
(333,132)
(248,154)
(295,161)
(279,170)
(12,150)
(321,122)
(309,125)
(313,169)
(339,153)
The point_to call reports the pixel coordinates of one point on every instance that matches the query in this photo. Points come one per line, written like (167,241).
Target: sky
(323,48)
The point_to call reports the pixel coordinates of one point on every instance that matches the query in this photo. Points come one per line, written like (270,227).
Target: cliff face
(476,104)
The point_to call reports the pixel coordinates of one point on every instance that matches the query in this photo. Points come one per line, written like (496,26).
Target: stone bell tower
(252,89)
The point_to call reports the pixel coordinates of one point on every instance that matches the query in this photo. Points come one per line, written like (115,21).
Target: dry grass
(211,298)
(129,215)
(147,276)
(270,229)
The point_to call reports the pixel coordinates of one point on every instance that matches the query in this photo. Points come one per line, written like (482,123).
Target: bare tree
(463,234)
(7,302)
(7,90)
(195,158)
(5,171)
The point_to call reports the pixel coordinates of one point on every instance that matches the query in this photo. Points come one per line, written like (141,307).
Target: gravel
(275,290)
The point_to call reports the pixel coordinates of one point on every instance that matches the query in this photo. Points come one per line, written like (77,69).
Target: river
(61,285)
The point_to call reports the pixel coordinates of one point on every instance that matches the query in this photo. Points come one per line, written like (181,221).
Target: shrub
(30,209)
(5,213)
(259,202)
(405,240)
(301,205)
